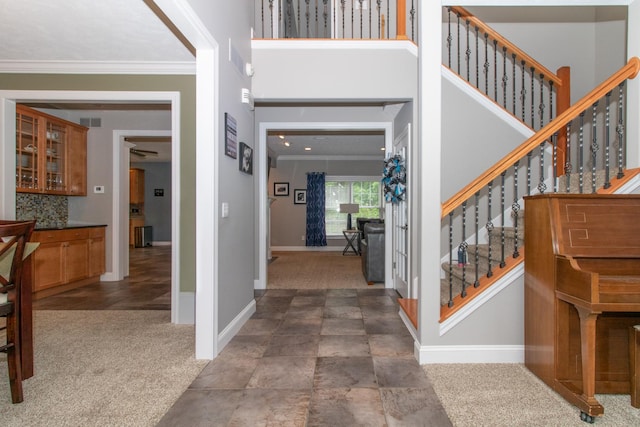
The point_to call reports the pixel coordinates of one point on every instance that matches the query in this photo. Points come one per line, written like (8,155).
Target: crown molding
(97,67)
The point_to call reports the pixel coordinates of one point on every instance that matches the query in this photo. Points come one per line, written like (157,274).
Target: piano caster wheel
(586,417)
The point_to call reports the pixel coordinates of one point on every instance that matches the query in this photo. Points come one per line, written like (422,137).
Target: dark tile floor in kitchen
(338,357)
(148,287)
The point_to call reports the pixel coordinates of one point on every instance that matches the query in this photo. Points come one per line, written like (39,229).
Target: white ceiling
(81,30)
(36,33)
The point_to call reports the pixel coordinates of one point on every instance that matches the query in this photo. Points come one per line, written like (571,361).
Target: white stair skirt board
(236,324)
(429,355)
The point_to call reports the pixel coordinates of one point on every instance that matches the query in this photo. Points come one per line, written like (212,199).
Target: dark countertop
(69,227)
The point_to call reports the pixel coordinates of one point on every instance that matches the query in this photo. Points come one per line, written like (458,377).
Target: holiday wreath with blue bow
(394,179)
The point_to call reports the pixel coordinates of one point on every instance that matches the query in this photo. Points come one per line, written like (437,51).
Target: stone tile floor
(337,357)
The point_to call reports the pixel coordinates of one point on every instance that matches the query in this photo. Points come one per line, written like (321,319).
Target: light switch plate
(225,209)
(98,189)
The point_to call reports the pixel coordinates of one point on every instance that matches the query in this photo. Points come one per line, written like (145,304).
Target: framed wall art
(230,136)
(280,188)
(246,159)
(300,197)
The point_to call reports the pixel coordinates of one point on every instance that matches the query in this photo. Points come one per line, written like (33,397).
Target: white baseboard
(160,243)
(470,354)
(186,308)
(108,277)
(259,284)
(232,328)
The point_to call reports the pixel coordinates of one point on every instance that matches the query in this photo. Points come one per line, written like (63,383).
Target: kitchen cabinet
(67,258)
(51,154)
(136,186)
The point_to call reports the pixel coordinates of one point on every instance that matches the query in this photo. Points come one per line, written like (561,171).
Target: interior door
(400,226)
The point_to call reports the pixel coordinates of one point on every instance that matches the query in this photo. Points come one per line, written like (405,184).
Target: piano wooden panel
(582,292)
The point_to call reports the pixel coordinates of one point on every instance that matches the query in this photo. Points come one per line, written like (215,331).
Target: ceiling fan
(142,153)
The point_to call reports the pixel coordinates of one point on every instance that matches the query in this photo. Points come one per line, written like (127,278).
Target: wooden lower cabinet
(67,259)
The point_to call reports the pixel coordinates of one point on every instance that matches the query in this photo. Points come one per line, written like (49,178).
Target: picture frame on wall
(280,188)
(246,159)
(300,197)
(230,136)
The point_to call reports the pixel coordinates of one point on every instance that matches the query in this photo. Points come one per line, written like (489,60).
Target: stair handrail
(628,71)
(529,61)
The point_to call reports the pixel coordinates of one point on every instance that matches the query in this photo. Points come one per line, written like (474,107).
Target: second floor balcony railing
(336,19)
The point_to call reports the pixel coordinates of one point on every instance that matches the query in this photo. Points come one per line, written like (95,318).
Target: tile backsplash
(49,211)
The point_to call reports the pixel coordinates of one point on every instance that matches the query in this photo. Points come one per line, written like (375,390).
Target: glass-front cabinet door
(55,149)
(27,158)
(44,145)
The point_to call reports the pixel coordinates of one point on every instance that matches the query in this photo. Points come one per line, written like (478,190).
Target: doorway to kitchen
(117,235)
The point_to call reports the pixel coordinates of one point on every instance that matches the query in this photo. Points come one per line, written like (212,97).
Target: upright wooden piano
(582,293)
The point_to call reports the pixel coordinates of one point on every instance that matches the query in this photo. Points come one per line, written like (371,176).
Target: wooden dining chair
(14,236)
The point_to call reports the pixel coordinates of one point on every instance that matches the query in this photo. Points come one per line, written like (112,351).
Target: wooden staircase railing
(477,196)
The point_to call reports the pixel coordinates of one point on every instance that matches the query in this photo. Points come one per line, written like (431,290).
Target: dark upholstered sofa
(372,252)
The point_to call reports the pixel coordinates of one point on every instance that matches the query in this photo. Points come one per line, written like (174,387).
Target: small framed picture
(300,197)
(280,188)
(246,158)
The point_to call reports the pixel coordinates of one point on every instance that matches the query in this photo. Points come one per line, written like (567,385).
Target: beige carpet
(509,395)
(103,368)
(315,270)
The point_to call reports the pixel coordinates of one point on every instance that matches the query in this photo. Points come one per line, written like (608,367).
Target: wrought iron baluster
(370,36)
(477,59)
(533,79)
(458,43)
(523,92)
(504,77)
(352,19)
(502,202)
(307,15)
(550,100)
(271,18)
(449,36)
(486,64)
(467,52)
(495,70)
(489,225)
(388,15)
(513,78)
(450,304)
(476,260)
(607,125)
(462,250)
(541,106)
(412,13)
(361,34)
(325,15)
(529,157)
(342,6)
(515,207)
(299,21)
(380,35)
(542,187)
(594,145)
(568,167)
(620,128)
(581,153)
(262,15)
(554,139)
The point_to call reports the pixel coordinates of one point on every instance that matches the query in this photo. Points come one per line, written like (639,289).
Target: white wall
(230,25)
(157,209)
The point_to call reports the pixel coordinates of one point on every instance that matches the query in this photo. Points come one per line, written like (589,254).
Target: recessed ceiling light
(281,136)
(382,148)
(307,148)
(287,143)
